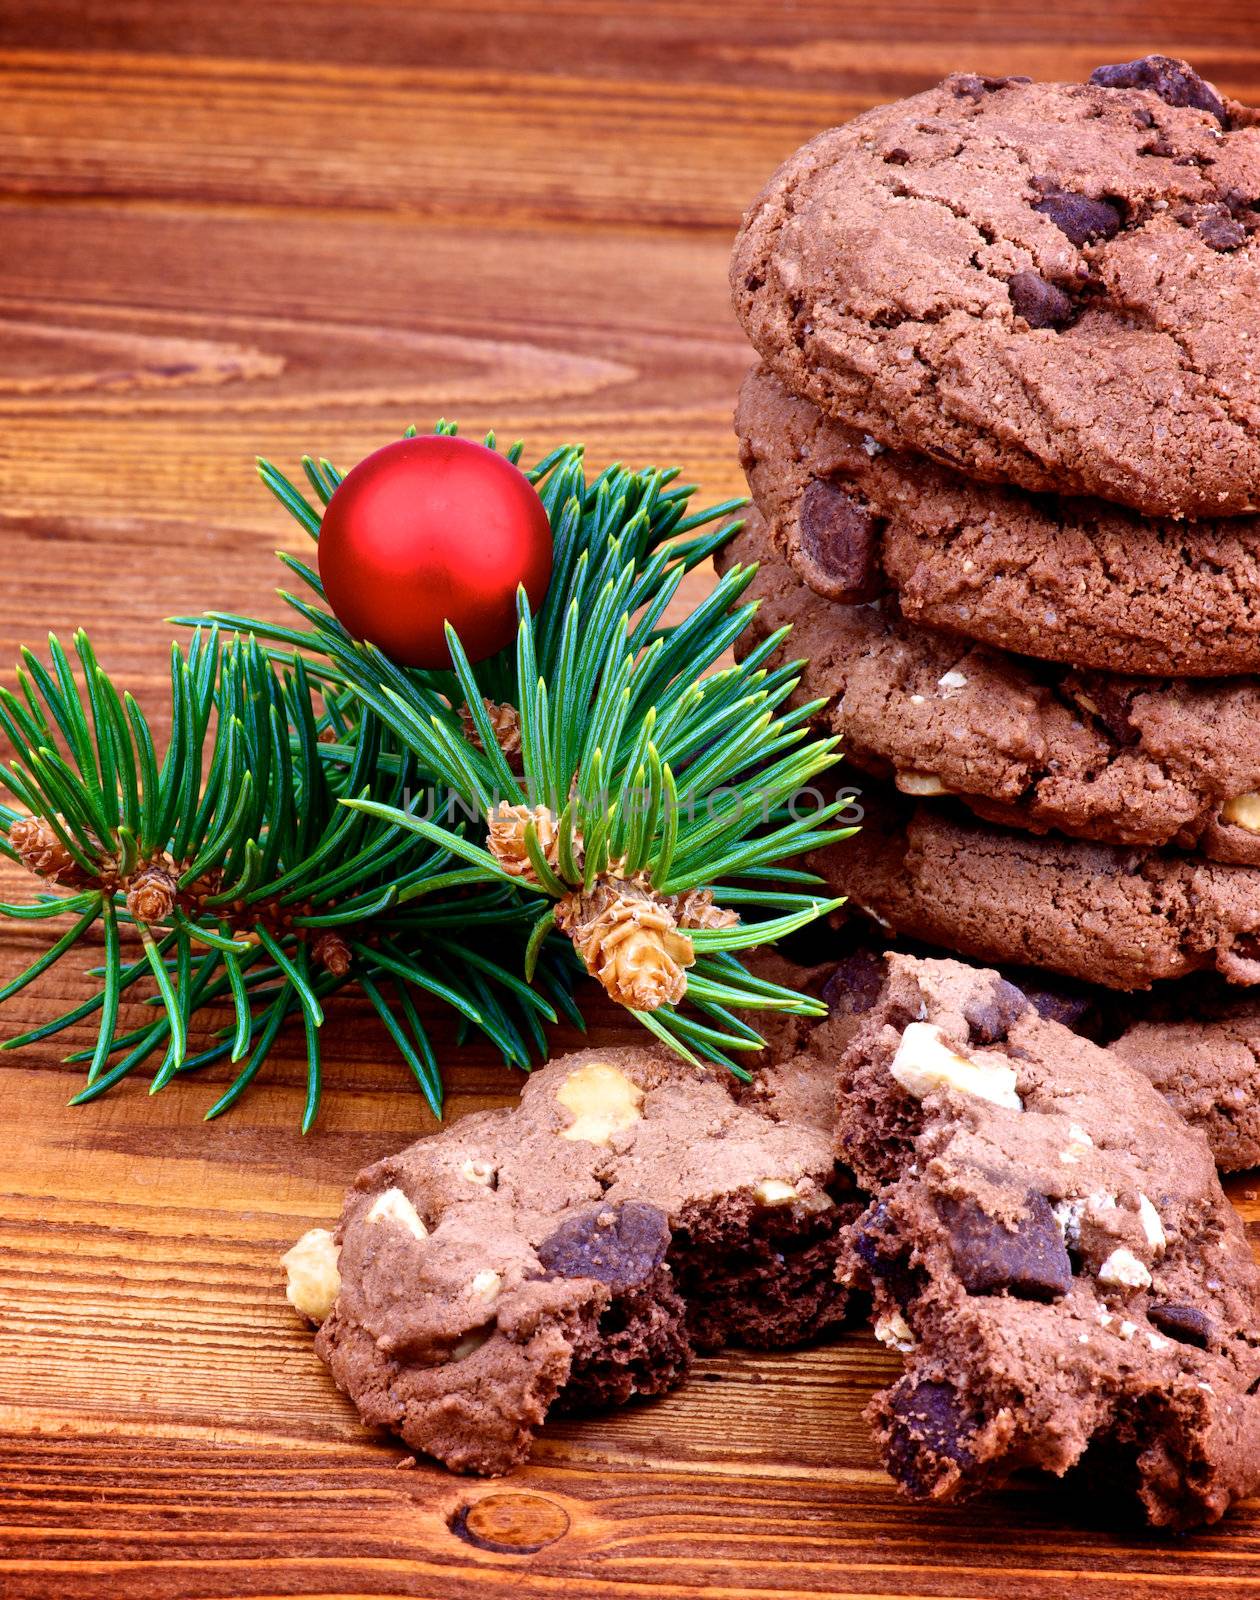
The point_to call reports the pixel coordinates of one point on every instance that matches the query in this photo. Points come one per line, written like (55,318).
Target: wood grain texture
(272,227)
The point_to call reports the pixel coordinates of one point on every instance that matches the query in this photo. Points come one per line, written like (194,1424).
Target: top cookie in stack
(1049,285)
(1005,454)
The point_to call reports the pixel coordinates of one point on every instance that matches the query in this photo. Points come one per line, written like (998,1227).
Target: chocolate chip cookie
(1124,919)
(1201,1050)
(1118,760)
(1069,580)
(1050,285)
(571,1252)
(1049,1247)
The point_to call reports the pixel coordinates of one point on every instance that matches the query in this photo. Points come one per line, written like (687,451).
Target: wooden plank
(780,44)
(655,151)
(278,227)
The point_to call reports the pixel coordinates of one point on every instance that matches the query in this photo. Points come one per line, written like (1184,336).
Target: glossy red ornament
(429,530)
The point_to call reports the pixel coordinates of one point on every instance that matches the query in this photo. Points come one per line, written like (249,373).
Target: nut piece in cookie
(601,1100)
(312,1281)
(572,1252)
(1060,1269)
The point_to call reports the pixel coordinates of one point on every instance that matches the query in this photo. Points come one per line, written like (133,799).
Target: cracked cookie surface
(1050,285)
(1049,1247)
(1118,760)
(1076,581)
(1124,919)
(571,1252)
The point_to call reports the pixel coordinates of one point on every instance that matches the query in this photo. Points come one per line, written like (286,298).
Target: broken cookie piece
(573,1251)
(1058,1263)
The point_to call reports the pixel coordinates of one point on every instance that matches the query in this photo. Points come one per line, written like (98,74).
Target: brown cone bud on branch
(630,940)
(152,893)
(40,851)
(332,952)
(507,824)
(694,908)
(506,724)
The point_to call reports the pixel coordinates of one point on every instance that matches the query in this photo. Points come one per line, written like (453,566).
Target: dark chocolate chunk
(855,984)
(990,1017)
(974,86)
(1039,303)
(617,1245)
(1220,230)
(928,1430)
(837,538)
(1238,202)
(1081,218)
(1173,81)
(879,1247)
(969,86)
(1073,1009)
(1185,1323)
(1029,1261)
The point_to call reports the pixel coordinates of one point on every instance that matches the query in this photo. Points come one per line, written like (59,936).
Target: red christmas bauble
(432,530)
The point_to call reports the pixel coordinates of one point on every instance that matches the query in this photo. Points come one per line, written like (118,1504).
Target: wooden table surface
(272,227)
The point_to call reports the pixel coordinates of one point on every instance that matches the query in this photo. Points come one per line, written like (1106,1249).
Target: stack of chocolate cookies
(1004,454)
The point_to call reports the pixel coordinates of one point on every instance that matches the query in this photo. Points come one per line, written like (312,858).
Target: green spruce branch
(243,880)
(643,797)
(606,795)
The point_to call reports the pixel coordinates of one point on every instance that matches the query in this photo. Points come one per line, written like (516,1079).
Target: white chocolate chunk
(1123,1270)
(1078,1143)
(1123,1327)
(952,682)
(601,1101)
(487,1284)
(394,1206)
(924,1062)
(312,1281)
(924,784)
(893,1330)
(775,1192)
(1152,1226)
(477,1171)
(1243,811)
